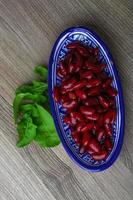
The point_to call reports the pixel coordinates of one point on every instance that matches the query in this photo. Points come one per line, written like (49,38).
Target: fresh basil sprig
(33,121)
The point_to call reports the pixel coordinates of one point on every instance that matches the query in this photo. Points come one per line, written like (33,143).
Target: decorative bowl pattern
(89,38)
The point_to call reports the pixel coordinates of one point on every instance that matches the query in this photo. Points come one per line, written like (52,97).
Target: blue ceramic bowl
(88,37)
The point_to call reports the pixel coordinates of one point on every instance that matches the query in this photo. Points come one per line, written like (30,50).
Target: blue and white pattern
(59,50)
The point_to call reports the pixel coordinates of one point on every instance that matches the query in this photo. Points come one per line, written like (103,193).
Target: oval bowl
(88,37)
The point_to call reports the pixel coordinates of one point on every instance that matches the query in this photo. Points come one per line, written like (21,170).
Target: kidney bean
(100,134)
(69,104)
(93,91)
(64,98)
(72,95)
(73,45)
(107,83)
(100,156)
(94,145)
(108,129)
(73,121)
(67,85)
(93,83)
(83,51)
(78,61)
(112,92)
(108,144)
(90,151)
(86,74)
(78,116)
(89,64)
(112,102)
(71,67)
(95,51)
(79,127)
(62,68)
(81,94)
(56,94)
(59,73)
(79,85)
(103,76)
(84,143)
(87,110)
(104,102)
(87,127)
(96,69)
(67,120)
(76,137)
(99,109)
(93,117)
(110,116)
(91,101)
(100,121)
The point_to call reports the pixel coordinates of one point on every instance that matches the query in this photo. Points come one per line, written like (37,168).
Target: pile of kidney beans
(89,99)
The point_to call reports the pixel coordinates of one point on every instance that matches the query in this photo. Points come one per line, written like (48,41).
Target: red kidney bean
(91,101)
(95,51)
(70,104)
(78,61)
(62,68)
(100,134)
(56,94)
(79,127)
(90,151)
(79,85)
(94,145)
(89,64)
(71,67)
(72,95)
(112,92)
(112,102)
(67,120)
(86,74)
(93,83)
(107,83)
(93,91)
(104,102)
(73,121)
(110,116)
(59,73)
(67,85)
(102,66)
(64,98)
(83,51)
(108,144)
(73,45)
(108,129)
(93,117)
(87,110)
(87,127)
(81,94)
(103,76)
(76,137)
(99,109)
(100,156)
(85,141)
(78,116)
(100,121)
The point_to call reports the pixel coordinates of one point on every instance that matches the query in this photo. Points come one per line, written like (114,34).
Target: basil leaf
(26,96)
(36,87)
(46,133)
(27,132)
(42,71)
(26,108)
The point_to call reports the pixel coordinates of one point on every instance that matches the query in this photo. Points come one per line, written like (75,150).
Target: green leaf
(42,71)
(46,133)
(26,108)
(24,89)
(27,132)
(26,96)
(36,87)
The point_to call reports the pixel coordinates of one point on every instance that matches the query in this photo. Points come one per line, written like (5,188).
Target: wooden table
(28,30)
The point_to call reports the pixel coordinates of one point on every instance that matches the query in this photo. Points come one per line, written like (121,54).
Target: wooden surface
(28,29)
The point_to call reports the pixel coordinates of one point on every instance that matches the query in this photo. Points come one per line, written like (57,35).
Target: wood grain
(28,30)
